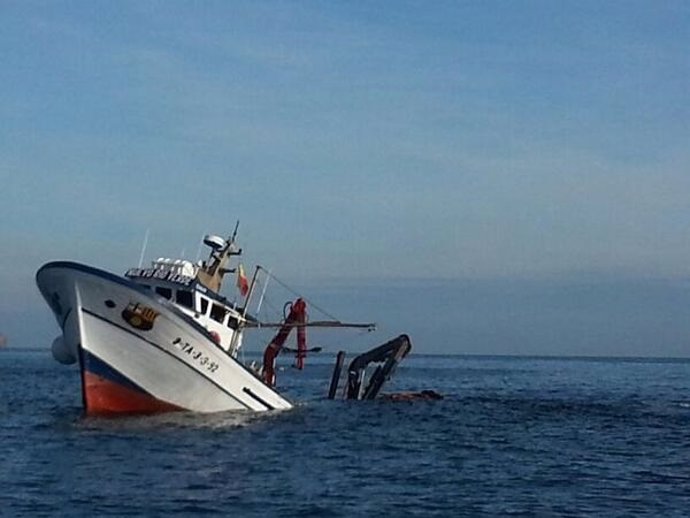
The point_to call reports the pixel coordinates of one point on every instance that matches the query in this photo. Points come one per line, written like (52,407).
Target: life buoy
(215,336)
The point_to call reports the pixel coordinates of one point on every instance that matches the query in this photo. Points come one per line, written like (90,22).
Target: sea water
(512,437)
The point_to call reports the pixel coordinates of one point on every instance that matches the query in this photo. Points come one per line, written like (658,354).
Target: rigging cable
(276,279)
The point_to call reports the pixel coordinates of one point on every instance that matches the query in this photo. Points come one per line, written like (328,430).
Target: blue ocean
(513,436)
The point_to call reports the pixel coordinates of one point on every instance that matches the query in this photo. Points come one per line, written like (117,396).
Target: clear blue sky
(440,140)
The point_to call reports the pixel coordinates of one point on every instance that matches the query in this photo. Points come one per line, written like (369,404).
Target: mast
(212,271)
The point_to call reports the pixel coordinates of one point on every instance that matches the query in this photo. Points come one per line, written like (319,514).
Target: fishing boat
(163,338)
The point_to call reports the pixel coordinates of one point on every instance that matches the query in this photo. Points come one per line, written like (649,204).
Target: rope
(288,288)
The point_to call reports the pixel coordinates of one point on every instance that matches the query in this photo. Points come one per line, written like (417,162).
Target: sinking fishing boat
(163,338)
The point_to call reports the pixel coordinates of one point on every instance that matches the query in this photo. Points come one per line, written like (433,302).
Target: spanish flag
(242,283)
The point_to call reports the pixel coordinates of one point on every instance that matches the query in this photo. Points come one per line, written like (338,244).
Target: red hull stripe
(102,396)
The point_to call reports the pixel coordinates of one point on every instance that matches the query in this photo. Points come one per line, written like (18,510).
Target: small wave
(220,420)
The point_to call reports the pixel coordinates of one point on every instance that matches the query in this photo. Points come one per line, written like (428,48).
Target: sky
(361,144)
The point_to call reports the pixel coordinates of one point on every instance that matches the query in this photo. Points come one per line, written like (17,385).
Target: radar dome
(215,242)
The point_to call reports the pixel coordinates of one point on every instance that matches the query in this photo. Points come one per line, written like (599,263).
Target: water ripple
(509,439)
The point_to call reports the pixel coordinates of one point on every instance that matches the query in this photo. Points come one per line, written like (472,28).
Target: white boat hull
(138,353)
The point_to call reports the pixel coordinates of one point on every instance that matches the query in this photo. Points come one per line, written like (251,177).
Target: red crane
(296,318)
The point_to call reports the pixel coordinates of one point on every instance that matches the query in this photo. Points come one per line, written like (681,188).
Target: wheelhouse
(176,281)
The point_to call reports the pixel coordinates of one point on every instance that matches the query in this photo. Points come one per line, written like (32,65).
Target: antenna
(143,246)
(234,232)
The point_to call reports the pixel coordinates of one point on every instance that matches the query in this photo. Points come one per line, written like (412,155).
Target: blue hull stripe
(95,365)
(154,344)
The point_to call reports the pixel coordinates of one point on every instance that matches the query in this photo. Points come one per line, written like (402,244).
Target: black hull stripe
(249,391)
(154,344)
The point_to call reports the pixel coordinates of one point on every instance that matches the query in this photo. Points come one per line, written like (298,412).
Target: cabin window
(232,323)
(217,312)
(184,298)
(164,292)
(203,305)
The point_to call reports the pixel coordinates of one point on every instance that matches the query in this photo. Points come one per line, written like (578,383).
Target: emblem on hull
(139,316)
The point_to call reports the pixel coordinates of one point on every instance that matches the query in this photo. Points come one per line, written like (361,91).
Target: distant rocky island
(3,341)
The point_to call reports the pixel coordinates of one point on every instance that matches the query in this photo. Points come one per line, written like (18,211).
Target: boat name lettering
(156,273)
(196,355)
